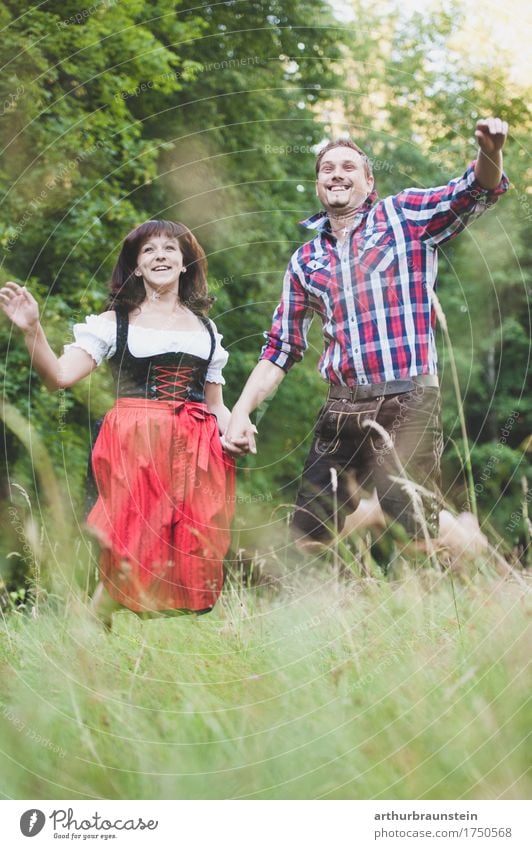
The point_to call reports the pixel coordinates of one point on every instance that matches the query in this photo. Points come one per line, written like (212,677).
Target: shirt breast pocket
(318,274)
(377,251)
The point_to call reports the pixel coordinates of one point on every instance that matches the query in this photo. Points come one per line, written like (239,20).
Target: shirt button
(356,350)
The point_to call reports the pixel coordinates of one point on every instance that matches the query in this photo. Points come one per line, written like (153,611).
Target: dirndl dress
(165,485)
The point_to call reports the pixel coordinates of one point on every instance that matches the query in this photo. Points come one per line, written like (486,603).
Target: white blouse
(97,336)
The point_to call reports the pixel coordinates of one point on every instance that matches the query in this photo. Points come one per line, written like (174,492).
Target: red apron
(166,500)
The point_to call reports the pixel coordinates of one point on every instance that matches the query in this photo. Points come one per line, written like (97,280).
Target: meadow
(314,686)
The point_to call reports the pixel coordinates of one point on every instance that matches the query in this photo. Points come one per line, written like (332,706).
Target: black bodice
(167,377)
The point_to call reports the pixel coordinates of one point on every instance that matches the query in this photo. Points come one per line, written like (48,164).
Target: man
(369,273)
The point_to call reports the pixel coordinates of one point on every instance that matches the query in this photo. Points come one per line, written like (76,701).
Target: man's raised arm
(491,134)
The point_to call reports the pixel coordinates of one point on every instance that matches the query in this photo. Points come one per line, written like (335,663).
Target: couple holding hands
(163,460)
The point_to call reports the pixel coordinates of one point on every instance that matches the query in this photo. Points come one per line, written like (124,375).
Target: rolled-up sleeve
(287,338)
(437,215)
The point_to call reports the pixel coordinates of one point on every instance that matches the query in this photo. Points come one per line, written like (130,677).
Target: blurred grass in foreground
(360,688)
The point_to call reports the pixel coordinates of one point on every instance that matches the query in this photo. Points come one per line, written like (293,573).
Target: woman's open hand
(19,306)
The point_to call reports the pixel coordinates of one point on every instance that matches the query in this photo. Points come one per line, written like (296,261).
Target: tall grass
(326,689)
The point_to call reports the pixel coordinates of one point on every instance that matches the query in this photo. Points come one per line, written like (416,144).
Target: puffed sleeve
(97,336)
(219,359)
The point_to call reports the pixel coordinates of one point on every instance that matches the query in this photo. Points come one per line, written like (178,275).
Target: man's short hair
(345,143)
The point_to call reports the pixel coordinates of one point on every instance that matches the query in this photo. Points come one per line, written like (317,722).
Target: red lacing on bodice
(172,383)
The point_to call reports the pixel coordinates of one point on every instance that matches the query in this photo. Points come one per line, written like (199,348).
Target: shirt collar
(320,220)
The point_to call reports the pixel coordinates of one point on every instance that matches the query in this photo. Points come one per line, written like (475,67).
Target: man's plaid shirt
(373,293)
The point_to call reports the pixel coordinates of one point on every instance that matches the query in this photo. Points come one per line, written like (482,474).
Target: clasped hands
(239,437)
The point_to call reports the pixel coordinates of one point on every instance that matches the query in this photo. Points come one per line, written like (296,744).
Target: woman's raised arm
(56,372)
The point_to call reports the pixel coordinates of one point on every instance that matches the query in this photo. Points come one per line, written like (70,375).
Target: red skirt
(166,500)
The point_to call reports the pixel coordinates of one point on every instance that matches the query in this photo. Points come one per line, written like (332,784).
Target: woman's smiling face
(160,262)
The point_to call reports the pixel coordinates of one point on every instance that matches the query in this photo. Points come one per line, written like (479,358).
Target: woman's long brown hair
(127,290)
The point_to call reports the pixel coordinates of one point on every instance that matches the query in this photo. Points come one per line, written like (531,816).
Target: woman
(165,485)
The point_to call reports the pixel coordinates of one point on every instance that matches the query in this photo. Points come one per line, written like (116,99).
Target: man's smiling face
(342,184)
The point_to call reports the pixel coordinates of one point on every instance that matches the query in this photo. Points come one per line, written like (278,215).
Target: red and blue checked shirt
(373,292)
